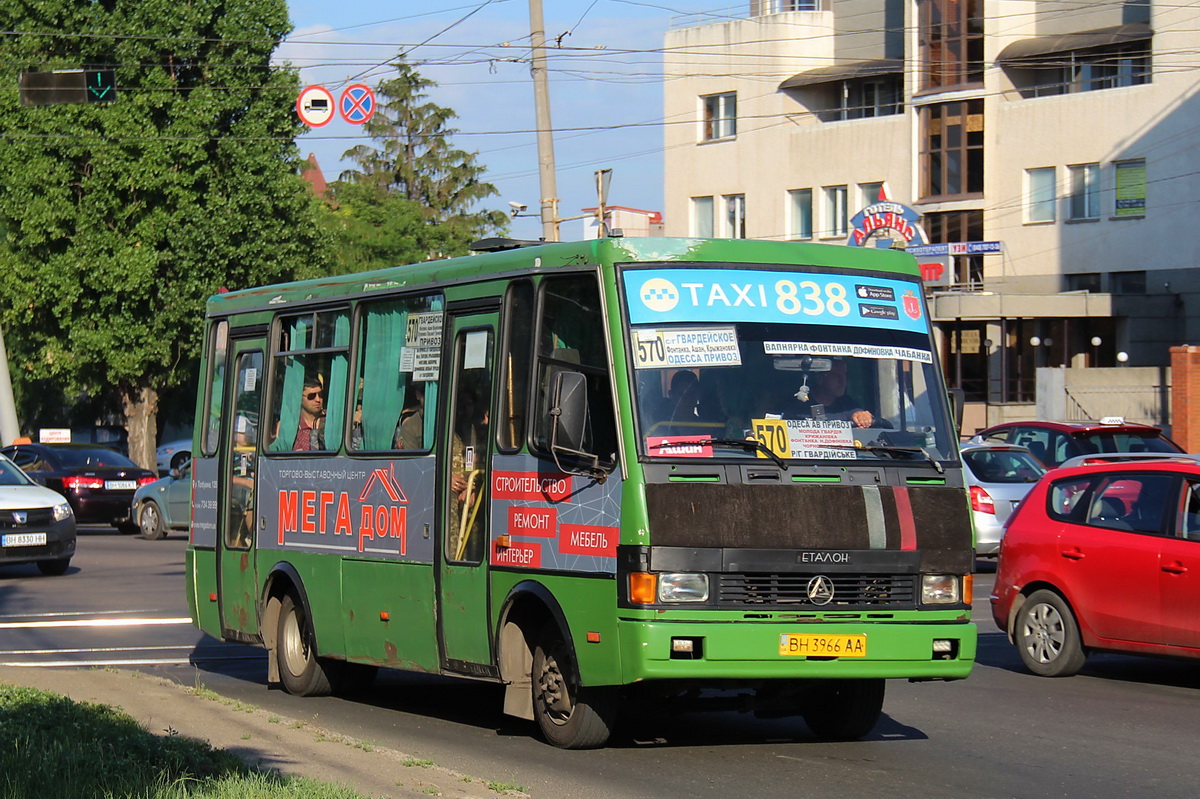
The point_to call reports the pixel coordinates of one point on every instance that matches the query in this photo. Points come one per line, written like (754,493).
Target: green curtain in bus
(335,394)
(293,384)
(383,382)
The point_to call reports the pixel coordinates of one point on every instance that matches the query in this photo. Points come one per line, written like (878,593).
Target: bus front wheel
(300,670)
(846,709)
(569,715)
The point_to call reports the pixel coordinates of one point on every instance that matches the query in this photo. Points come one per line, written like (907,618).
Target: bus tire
(300,670)
(846,710)
(1047,636)
(569,715)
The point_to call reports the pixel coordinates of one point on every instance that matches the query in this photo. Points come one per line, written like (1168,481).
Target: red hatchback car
(1104,556)
(1054,442)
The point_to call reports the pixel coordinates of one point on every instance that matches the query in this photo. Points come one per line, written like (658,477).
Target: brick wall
(1185,397)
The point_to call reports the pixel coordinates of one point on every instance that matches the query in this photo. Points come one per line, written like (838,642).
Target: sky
(605,88)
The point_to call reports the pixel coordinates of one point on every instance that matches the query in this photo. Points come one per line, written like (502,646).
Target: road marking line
(132,662)
(64,651)
(14,625)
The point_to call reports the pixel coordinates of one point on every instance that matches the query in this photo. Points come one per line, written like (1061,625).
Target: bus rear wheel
(846,709)
(300,670)
(569,715)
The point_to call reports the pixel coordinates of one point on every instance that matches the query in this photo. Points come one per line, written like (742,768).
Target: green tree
(413,178)
(120,219)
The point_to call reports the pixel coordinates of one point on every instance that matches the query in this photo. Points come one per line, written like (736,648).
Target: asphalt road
(1125,727)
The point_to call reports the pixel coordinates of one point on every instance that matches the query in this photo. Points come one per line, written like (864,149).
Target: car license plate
(23,540)
(120,485)
(838,646)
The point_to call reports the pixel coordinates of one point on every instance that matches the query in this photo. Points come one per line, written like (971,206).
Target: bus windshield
(858,380)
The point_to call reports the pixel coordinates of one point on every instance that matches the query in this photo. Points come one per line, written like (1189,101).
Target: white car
(998,477)
(174,454)
(36,524)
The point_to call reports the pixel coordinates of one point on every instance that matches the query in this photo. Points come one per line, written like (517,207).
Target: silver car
(998,478)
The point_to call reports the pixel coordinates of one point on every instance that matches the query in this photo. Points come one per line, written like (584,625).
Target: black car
(97,482)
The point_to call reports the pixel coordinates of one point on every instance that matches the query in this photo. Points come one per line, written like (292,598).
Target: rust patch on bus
(245,562)
(390,652)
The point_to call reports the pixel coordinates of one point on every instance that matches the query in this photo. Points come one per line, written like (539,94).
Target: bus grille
(850,591)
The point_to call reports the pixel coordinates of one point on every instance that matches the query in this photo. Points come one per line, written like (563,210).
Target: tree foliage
(414,195)
(120,219)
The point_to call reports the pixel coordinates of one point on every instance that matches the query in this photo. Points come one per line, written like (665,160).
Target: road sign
(315,106)
(68,86)
(357,103)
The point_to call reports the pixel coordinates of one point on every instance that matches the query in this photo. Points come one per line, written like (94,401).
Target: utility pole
(545,135)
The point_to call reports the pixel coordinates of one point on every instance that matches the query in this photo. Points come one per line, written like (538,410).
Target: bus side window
(571,337)
(310,370)
(517,355)
(397,374)
(217,346)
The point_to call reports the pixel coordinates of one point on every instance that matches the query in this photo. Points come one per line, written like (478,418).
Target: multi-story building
(1067,131)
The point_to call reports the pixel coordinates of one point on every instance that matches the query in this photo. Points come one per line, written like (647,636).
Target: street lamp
(1096,342)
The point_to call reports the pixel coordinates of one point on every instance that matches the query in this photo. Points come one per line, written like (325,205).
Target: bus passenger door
(465,479)
(237,586)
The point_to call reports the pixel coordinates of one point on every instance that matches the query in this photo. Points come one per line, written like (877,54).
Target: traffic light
(63,86)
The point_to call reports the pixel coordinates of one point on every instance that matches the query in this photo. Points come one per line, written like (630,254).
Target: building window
(720,116)
(952,149)
(1131,282)
(735,216)
(1088,70)
(1130,188)
(951,42)
(1084,281)
(1039,195)
(868,194)
(702,217)
(864,98)
(781,6)
(1085,191)
(837,222)
(951,227)
(800,214)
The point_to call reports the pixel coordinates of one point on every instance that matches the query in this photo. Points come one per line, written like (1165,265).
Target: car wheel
(180,458)
(150,521)
(1047,636)
(53,568)
(300,670)
(569,715)
(846,710)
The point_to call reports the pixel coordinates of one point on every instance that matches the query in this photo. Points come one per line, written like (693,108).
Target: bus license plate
(120,485)
(23,540)
(838,646)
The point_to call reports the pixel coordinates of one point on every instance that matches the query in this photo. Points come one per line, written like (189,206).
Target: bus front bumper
(665,650)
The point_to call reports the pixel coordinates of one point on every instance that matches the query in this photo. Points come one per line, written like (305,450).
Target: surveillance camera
(517,207)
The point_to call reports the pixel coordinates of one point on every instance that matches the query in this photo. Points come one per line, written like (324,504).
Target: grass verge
(53,746)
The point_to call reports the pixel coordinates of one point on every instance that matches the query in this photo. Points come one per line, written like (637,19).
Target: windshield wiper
(893,450)
(746,444)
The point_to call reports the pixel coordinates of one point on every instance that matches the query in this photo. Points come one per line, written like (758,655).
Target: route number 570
(651,349)
(773,434)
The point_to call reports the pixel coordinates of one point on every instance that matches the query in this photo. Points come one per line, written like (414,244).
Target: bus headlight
(62,511)
(682,587)
(940,589)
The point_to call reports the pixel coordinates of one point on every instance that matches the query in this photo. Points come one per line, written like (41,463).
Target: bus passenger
(410,433)
(310,430)
(828,399)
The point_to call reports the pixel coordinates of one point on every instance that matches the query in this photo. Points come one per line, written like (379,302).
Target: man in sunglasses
(310,432)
